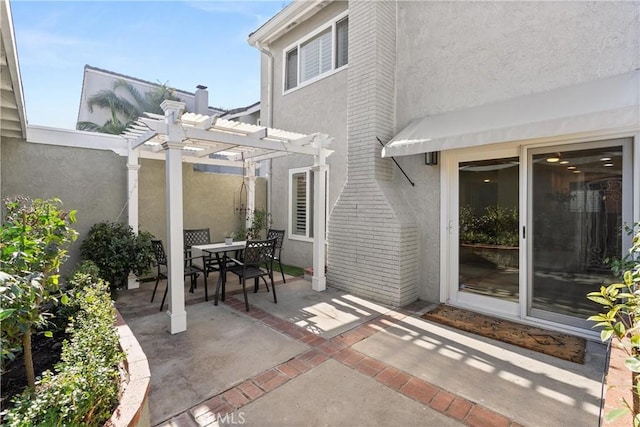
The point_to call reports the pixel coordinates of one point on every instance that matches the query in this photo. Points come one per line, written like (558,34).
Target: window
(342,42)
(301,203)
(318,55)
(292,70)
(315,56)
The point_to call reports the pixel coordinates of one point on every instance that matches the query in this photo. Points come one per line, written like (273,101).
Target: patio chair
(256,254)
(199,236)
(279,236)
(161,260)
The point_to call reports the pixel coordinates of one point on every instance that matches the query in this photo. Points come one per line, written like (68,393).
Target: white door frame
(449,213)
(474,301)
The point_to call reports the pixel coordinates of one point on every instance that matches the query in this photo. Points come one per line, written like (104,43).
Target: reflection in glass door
(576,209)
(488,228)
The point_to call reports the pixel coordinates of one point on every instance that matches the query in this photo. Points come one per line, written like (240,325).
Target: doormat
(544,341)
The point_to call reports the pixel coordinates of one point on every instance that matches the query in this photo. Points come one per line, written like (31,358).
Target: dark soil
(46,353)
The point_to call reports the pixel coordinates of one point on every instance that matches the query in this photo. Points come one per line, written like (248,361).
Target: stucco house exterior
(515,127)
(96,79)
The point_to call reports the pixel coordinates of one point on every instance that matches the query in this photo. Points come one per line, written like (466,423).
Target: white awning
(604,105)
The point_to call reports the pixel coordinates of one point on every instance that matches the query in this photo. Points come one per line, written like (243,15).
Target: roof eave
(289,17)
(11,53)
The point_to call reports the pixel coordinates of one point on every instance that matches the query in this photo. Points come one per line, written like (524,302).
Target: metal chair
(199,236)
(161,260)
(279,236)
(256,254)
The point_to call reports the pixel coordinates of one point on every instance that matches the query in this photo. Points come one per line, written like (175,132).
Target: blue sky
(181,43)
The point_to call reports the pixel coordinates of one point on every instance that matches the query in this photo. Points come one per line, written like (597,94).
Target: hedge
(84,388)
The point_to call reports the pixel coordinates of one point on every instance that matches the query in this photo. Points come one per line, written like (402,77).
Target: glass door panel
(488,250)
(576,210)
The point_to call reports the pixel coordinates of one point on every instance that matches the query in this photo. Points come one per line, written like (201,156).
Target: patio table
(220,251)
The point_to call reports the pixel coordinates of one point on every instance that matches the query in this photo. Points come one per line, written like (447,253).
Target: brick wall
(372,233)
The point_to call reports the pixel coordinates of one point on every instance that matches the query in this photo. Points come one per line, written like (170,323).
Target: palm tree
(113,126)
(122,107)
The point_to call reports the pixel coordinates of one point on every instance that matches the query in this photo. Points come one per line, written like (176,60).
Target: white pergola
(177,138)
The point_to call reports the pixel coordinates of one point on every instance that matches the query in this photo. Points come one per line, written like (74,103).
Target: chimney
(202,100)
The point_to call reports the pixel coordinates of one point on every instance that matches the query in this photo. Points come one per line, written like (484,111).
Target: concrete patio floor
(333,359)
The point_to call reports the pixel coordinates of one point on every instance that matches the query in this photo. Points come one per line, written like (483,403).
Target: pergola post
(319,281)
(132,202)
(250,182)
(175,240)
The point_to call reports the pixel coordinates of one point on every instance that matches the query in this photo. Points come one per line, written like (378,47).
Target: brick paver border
(337,348)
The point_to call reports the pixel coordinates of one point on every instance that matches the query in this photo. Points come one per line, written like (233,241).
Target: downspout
(269,113)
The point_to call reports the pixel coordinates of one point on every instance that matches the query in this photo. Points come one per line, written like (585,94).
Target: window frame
(308,170)
(293,236)
(297,45)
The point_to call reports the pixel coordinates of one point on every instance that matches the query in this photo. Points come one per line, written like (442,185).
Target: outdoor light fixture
(487,180)
(431,158)
(608,165)
(571,167)
(564,162)
(605,159)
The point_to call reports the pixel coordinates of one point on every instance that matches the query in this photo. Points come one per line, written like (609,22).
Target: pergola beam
(192,159)
(258,155)
(245,141)
(142,138)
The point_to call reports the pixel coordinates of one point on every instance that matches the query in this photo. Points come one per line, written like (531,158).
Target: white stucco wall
(453,55)
(318,107)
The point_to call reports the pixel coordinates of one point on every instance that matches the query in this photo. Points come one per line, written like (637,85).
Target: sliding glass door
(576,220)
(530,229)
(486,246)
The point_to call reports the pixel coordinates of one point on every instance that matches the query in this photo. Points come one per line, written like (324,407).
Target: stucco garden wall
(210,200)
(453,55)
(94,182)
(318,107)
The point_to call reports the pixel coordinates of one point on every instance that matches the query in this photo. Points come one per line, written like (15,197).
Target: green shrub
(260,222)
(84,275)
(35,236)
(498,226)
(117,251)
(84,388)
(620,320)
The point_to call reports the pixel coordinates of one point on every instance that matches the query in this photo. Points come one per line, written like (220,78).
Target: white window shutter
(315,56)
(299,211)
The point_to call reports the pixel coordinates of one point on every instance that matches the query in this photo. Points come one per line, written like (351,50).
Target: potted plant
(228,239)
